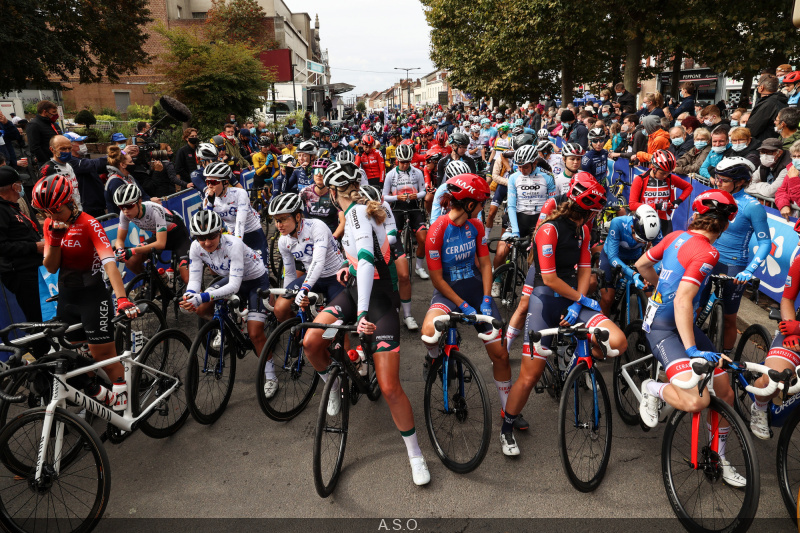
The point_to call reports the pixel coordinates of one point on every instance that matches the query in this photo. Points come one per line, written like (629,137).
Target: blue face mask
(700,144)
(718,149)
(619,94)
(678,141)
(22,189)
(796,163)
(565,125)
(64,156)
(252,131)
(644,132)
(738,147)
(734,123)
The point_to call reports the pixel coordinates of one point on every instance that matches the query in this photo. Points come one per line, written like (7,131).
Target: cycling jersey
(336,150)
(595,162)
(560,246)
(474,144)
(304,177)
(527,194)
(315,247)
(235,210)
(284,182)
(500,145)
(390,157)
(372,163)
(562,183)
(556,163)
(363,239)
(265,165)
(621,248)
(85,249)
(453,249)
(649,191)
(232,259)
(320,206)
(397,182)
(152,217)
(734,243)
(486,134)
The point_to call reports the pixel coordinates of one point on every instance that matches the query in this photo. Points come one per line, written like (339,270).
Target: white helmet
(456,168)
(127,194)
(341,174)
(404,153)
(346,156)
(475,128)
(205,221)
(372,194)
(217,170)
(308,147)
(543,133)
(286,203)
(544,145)
(646,224)
(525,154)
(207,152)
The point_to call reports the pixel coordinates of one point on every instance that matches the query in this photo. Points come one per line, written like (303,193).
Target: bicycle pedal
(539,389)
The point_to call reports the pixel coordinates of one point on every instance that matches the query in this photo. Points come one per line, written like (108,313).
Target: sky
(363,35)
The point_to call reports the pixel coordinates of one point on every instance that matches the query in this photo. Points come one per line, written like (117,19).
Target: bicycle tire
(449,431)
(167,352)
(509,292)
(148,324)
(297,379)
(679,428)
(89,473)
(788,463)
(216,400)
(140,288)
(374,391)
(752,347)
(408,245)
(633,310)
(638,347)
(588,477)
(275,258)
(715,326)
(336,441)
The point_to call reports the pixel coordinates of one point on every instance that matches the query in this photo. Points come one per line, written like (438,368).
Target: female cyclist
(76,246)
(168,231)
(285,180)
(432,158)
(687,258)
(306,153)
(656,188)
(561,243)
(368,302)
(118,175)
(316,200)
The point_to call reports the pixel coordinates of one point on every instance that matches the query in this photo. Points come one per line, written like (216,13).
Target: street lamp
(408,81)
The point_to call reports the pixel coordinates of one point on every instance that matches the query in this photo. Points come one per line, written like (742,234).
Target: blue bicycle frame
(583,352)
(450,345)
(778,414)
(222,315)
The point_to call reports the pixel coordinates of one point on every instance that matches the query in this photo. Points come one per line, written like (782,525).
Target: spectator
(657,138)
(41,129)
(307,125)
(720,149)
(232,149)
(291,127)
(573,130)
(246,148)
(142,128)
(743,119)
(623,97)
(688,91)
(118,163)
(786,124)
(691,161)
(26,164)
(614,138)
(712,119)
(766,109)
(743,145)
(771,170)
(782,71)
(120,139)
(736,116)
(653,102)
(87,173)
(185,161)
(787,197)
(61,151)
(690,124)
(680,142)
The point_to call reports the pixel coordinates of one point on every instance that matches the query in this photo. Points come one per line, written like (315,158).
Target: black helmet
(523,139)
(459,139)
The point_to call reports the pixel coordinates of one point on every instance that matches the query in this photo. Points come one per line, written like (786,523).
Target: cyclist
(475,147)
(289,148)
(306,153)
(432,159)
(389,159)
(368,302)
(659,192)
(687,258)
(628,238)
(573,156)
(404,187)
(233,206)
(76,246)
(561,243)
(733,175)
(595,161)
(371,161)
(455,168)
(459,142)
(265,164)
(284,180)
(461,271)
(554,160)
(316,200)
(206,153)
(168,230)
(501,143)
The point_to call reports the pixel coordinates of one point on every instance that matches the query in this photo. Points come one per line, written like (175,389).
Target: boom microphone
(175,109)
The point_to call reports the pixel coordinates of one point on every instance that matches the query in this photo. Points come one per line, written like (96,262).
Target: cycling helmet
(286,159)
(519,122)
(321,162)
(665,160)
(404,122)
(285,204)
(441,137)
(205,222)
(524,155)
(596,134)
(52,193)
(207,152)
(518,141)
(573,150)
(544,146)
(475,128)
(127,194)
(342,174)
(264,141)
(517,130)
(543,133)
(459,139)
(646,224)
(336,129)
(404,153)
(287,139)
(368,140)
(345,156)
(439,114)
(217,171)
(433,156)
(715,203)
(485,121)
(308,147)
(218,141)
(456,168)
(334,138)
(498,116)
(503,127)
(325,131)
(468,187)
(586,192)
(737,168)
(792,77)
(433,121)
(315,128)
(370,193)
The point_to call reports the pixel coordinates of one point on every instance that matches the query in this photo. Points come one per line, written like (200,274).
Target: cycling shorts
(327,286)
(545,309)
(526,223)
(178,241)
(500,194)
(731,293)
(257,241)
(605,266)
(382,312)
(248,292)
(415,217)
(778,351)
(397,249)
(668,348)
(471,290)
(90,306)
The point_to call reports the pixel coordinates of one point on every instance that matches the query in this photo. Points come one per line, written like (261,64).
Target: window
(122,100)
(180,12)
(199,15)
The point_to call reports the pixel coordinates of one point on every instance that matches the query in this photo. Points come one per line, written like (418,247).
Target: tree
(85,38)
(86,118)
(213,80)
(361,106)
(239,22)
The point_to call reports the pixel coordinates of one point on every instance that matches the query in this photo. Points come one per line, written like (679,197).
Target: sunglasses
(721,179)
(319,171)
(209,237)
(213,183)
(125,207)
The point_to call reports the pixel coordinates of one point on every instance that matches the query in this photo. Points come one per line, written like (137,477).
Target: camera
(150,149)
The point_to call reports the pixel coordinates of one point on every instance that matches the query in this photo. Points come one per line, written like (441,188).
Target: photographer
(147,166)
(185,161)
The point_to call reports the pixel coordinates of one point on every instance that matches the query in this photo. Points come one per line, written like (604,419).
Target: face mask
(192,140)
(122,146)
(22,189)
(624,127)
(739,147)
(54,118)
(82,149)
(700,144)
(253,131)
(718,149)
(796,163)
(778,129)
(677,141)
(644,132)
(767,160)
(781,79)
(708,122)
(619,94)
(734,123)
(614,121)
(64,156)
(602,98)
(565,125)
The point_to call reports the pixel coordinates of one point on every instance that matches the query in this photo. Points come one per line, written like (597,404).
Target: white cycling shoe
(334,402)
(216,342)
(419,470)
(509,444)
(759,424)
(731,476)
(270,387)
(421,273)
(649,406)
(410,323)
(495,289)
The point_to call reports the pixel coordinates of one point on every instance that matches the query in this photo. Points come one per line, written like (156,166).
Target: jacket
(691,161)
(788,193)
(579,134)
(90,184)
(658,140)
(767,180)
(40,130)
(18,237)
(789,141)
(686,106)
(678,151)
(185,161)
(10,133)
(763,115)
(627,99)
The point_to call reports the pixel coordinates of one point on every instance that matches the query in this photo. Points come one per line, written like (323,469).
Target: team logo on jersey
(788,281)
(468,233)
(706,269)
(434,254)
(547,250)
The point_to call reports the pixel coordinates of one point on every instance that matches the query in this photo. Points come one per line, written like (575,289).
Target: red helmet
(663,160)
(586,192)
(468,187)
(367,140)
(434,154)
(792,77)
(797,226)
(409,142)
(441,137)
(716,203)
(52,192)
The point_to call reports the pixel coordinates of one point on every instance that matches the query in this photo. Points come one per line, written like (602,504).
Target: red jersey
(372,163)
(649,191)
(84,250)
(792,285)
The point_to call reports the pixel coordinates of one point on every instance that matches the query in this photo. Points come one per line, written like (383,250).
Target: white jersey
(232,259)
(153,218)
(235,210)
(65,169)
(562,183)
(473,144)
(399,182)
(315,247)
(556,163)
(360,231)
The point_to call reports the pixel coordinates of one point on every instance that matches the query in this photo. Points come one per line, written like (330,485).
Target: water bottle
(163,274)
(356,360)
(170,275)
(120,390)
(243,320)
(101,394)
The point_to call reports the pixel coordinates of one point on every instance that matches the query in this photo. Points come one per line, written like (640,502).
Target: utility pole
(408,82)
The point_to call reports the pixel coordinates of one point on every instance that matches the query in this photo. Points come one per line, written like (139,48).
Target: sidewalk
(750,313)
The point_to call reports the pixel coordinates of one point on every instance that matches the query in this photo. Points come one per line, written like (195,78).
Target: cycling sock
(508,423)
(406,305)
(723,439)
(324,375)
(511,334)
(761,406)
(412,446)
(420,262)
(656,389)
(269,370)
(503,388)
(433,351)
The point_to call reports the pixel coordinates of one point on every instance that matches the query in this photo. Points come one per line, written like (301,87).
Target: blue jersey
(621,247)
(436,208)
(734,243)
(595,162)
(453,249)
(303,177)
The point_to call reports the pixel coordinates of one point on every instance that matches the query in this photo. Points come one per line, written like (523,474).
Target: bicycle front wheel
(584,428)
(275,259)
(142,328)
(639,364)
(210,373)
(459,431)
(297,379)
(751,348)
(700,498)
(140,288)
(330,438)
(510,290)
(788,460)
(715,327)
(71,495)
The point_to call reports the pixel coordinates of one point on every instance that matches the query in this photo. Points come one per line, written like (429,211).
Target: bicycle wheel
(142,328)
(167,352)
(297,379)
(752,348)
(634,309)
(275,259)
(140,288)
(699,497)
(584,428)
(510,290)
(788,461)
(642,366)
(330,437)
(549,381)
(72,494)
(408,245)
(461,432)
(210,373)
(715,326)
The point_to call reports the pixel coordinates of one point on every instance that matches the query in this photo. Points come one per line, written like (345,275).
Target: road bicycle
(64,482)
(584,412)
(408,237)
(713,309)
(166,287)
(457,410)
(259,200)
(511,275)
(629,302)
(617,204)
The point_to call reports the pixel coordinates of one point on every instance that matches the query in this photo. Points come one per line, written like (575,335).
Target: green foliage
(141,112)
(89,39)
(107,118)
(30,108)
(86,118)
(212,80)
(361,106)
(239,22)
(109,111)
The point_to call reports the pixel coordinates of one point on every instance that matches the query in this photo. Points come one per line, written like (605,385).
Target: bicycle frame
(450,343)
(222,315)
(778,414)
(288,355)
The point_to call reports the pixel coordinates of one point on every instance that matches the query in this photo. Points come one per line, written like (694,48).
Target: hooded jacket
(657,139)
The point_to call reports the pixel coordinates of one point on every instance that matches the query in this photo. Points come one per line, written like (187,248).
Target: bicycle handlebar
(600,336)
(777,380)
(287,293)
(442,322)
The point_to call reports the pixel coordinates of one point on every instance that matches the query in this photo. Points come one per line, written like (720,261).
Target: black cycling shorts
(90,306)
(416,218)
(382,312)
(178,241)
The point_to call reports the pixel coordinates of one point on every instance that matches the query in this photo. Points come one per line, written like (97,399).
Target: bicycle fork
(584,354)
(714,441)
(450,345)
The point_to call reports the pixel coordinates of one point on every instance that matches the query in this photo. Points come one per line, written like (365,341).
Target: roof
(333,88)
